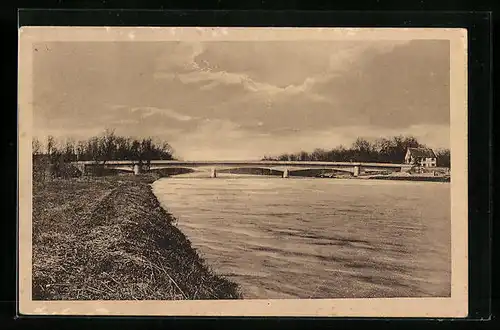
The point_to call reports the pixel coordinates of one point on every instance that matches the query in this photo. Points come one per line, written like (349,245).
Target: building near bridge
(421,156)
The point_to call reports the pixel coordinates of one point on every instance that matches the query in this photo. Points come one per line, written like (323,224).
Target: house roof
(422,152)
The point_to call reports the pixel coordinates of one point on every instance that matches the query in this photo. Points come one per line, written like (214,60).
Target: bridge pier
(137,169)
(286,174)
(213,173)
(356,170)
(82,168)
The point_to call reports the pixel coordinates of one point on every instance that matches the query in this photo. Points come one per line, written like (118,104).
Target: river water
(318,238)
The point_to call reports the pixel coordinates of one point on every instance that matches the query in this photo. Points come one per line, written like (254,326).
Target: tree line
(107,146)
(383,150)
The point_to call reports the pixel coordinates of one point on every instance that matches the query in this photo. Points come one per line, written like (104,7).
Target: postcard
(230,171)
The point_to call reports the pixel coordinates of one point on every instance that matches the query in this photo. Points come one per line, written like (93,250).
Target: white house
(421,157)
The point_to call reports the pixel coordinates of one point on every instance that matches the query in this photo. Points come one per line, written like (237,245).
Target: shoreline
(109,238)
(412,178)
(409,178)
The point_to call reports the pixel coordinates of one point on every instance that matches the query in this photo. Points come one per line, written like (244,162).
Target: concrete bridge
(355,168)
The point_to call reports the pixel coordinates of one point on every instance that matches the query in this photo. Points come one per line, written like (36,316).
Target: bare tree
(50,145)
(362,145)
(443,158)
(108,145)
(69,150)
(36,146)
(304,156)
(318,154)
(94,149)
(390,150)
(80,150)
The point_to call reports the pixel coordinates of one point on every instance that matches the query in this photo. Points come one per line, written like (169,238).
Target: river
(318,238)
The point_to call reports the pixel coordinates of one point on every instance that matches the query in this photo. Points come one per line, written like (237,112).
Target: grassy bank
(109,239)
(412,178)
(428,177)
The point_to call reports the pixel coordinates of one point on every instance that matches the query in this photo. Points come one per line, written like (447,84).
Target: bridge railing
(231,163)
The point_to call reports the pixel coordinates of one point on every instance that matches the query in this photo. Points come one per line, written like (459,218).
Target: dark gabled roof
(422,152)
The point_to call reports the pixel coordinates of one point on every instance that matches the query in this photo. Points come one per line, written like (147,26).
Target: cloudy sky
(244,99)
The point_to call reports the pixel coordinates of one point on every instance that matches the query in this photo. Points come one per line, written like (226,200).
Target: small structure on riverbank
(424,157)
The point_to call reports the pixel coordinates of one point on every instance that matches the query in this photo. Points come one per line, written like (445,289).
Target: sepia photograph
(243,171)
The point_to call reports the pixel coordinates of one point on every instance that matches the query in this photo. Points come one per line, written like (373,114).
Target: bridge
(285,167)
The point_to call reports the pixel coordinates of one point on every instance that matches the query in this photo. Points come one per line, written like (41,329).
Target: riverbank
(411,177)
(109,238)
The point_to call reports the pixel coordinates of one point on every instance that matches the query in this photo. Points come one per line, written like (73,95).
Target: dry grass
(109,239)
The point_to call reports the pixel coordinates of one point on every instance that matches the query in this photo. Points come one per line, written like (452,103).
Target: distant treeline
(102,148)
(384,150)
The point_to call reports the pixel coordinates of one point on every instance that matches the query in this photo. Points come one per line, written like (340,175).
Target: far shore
(419,178)
(425,177)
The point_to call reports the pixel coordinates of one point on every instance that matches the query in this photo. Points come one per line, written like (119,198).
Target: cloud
(237,89)
(150,111)
(124,121)
(286,63)
(208,72)
(218,78)
(177,57)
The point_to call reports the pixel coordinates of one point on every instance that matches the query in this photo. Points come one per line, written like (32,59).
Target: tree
(318,155)
(81,151)
(122,148)
(36,146)
(107,145)
(362,145)
(166,151)
(147,151)
(50,145)
(69,151)
(135,150)
(99,149)
(94,149)
(443,158)
(304,156)
(391,150)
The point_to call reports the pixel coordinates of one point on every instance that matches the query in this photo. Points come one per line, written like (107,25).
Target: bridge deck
(246,163)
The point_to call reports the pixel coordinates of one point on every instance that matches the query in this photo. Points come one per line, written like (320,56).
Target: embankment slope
(109,239)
